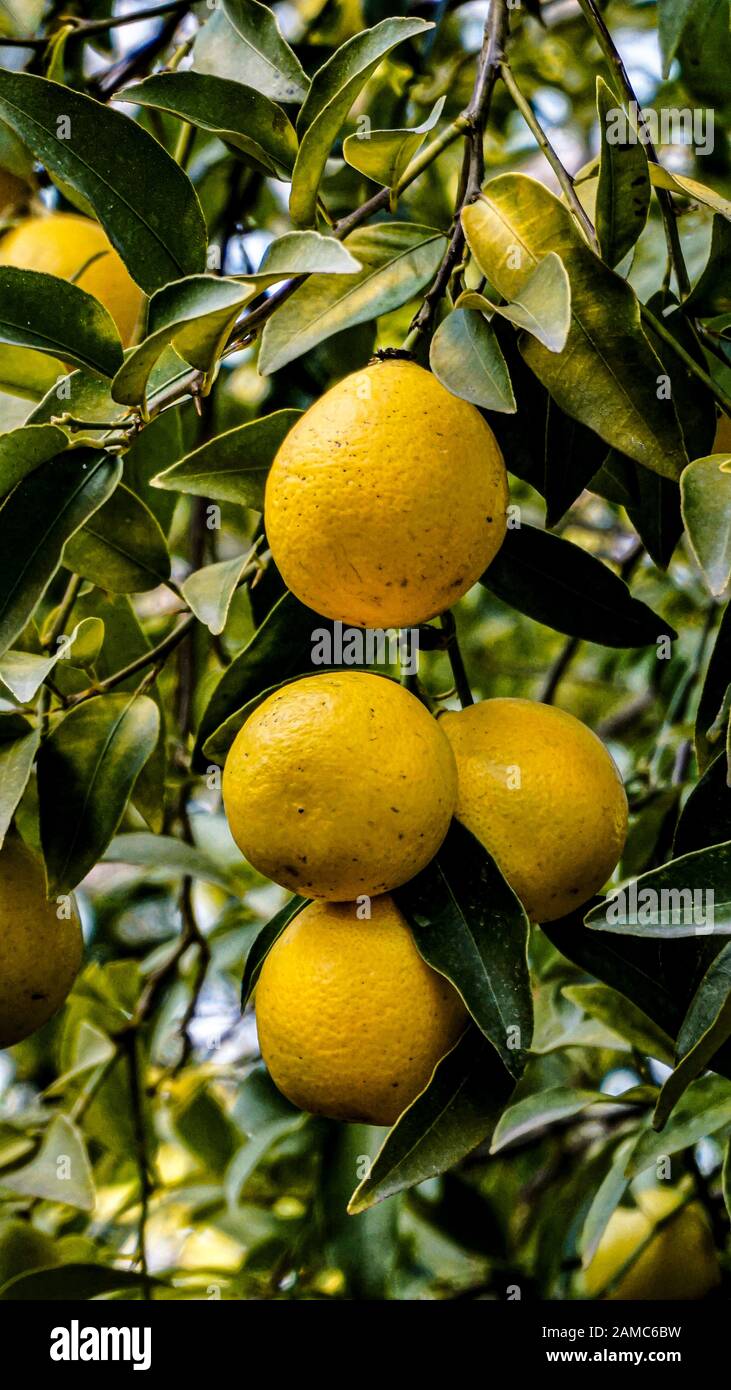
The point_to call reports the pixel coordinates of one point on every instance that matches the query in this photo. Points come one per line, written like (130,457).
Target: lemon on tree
(40,952)
(351,1019)
(340,784)
(679,1262)
(541,792)
(388,498)
(76,248)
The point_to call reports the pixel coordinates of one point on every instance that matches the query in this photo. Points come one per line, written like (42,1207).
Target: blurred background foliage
(241,1196)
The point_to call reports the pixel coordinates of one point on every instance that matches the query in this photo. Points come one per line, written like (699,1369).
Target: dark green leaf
(624,1018)
(559,584)
(702,1111)
(623,192)
(57,318)
(708,732)
(80,1282)
(121,548)
(263,945)
(232,467)
(160,235)
(86,771)
(689,896)
(243,41)
(712,293)
(469,925)
(25,448)
(465,356)
(706,817)
(37,519)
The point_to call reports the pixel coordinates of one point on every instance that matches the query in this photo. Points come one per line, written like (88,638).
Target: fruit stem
(455,660)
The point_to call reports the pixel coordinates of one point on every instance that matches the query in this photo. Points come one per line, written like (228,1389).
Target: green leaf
(607,374)
(17,755)
(59,1172)
(705,1028)
(705,490)
(232,467)
(623,192)
(26,373)
(708,730)
(383,155)
(37,519)
(706,816)
(58,319)
(242,40)
(333,90)
(263,943)
(703,1110)
(712,292)
(195,315)
(672,16)
(160,234)
(456,1112)
(209,591)
(166,855)
(465,356)
(690,188)
(87,769)
(121,548)
(468,924)
(305,253)
(280,647)
(624,1018)
(25,448)
(242,117)
(557,583)
(542,307)
(88,398)
(398,259)
(694,889)
(606,1200)
(80,1282)
(538,1111)
(24,672)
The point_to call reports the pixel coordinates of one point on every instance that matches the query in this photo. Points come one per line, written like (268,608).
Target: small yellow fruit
(387,500)
(352,1021)
(541,792)
(679,1263)
(61,243)
(40,953)
(340,784)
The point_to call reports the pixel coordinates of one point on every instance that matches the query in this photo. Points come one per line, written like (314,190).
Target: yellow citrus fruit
(40,953)
(340,784)
(387,499)
(352,1021)
(61,243)
(542,793)
(680,1262)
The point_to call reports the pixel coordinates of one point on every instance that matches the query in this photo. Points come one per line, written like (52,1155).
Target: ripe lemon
(40,953)
(541,792)
(387,499)
(351,1019)
(679,1263)
(61,243)
(340,784)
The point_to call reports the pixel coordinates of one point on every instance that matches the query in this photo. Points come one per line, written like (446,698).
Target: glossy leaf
(57,318)
(242,40)
(706,815)
(17,755)
(542,306)
(164,854)
(59,1172)
(537,1111)
(195,315)
(469,925)
(708,726)
(702,1111)
(465,356)
(264,942)
(25,448)
(24,672)
(624,1018)
(607,374)
(456,1112)
(623,191)
(242,117)
(706,1027)
(705,490)
(398,260)
(121,547)
(689,896)
(160,234)
(690,188)
(306,253)
(37,519)
(605,1201)
(232,467)
(332,92)
(557,583)
(208,592)
(87,769)
(383,155)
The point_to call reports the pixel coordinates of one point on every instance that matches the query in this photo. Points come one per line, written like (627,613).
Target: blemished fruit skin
(541,792)
(387,499)
(61,243)
(340,784)
(351,1020)
(40,953)
(680,1263)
